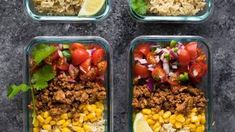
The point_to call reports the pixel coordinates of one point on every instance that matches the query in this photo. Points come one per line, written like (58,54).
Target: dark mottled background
(16,29)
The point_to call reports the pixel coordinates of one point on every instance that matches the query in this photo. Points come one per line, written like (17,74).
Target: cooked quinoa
(176,7)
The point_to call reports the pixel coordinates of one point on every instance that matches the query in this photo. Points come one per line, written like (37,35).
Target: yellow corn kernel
(172,119)
(194,110)
(192,127)
(48,119)
(69,115)
(76,128)
(93,106)
(200,129)
(40,119)
(89,108)
(64,116)
(46,127)
(52,123)
(167,114)
(81,119)
(82,130)
(156,117)
(150,121)
(203,119)
(35,123)
(161,112)
(157,129)
(98,111)
(146,111)
(180,118)
(166,120)
(35,129)
(86,127)
(60,122)
(161,120)
(46,114)
(156,125)
(86,112)
(178,125)
(66,124)
(65,129)
(91,116)
(81,106)
(85,118)
(56,130)
(75,123)
(194,119)
(187,121)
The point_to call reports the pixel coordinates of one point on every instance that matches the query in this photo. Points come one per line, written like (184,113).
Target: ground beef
(178,99)
(64,96)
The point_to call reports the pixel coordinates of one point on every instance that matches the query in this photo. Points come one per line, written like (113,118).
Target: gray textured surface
(119,29)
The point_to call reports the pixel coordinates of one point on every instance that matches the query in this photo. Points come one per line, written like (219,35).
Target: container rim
(74,19)
(102,42)
(202,40)
(173,19)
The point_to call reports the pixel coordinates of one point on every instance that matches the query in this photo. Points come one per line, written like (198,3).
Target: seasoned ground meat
(63,96)
(178,99)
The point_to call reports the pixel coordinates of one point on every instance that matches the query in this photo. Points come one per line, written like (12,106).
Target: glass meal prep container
(199,17)
(105,107)
(204,85)
(35,15)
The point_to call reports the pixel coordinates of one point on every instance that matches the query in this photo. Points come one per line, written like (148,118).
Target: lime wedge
(91,7)
(140,124)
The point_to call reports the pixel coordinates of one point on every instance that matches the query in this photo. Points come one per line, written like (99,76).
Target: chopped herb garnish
(173,43)
(13,90)
(167,56)
(66,54)
(139,6)
(42,51)
(184,77)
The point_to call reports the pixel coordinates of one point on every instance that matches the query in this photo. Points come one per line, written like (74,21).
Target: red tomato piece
(197,71)
(138,54)
(86,65)
(102,67)
(52,57)
(75,46)
(158,73)
(79,56)
(144,48)
(184,57)
(192,49)
(141,70)
(62,64)
(98,56)
(151,58)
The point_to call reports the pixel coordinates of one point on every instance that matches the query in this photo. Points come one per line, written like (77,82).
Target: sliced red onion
(195,73)
(73,71)
(150,68)
(166,66)
(150,84)
(174,66)
(72,80)
(165,50)
(142,61)
(60,53)
(60,46)
(91,51)
(82,69)
(171,74)
(173,54)
(180,45)
(162,57)
(157,58)
(101,77)
(158,50)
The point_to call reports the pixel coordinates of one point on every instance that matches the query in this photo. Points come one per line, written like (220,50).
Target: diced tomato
(94,46)
(151,58)
(158,73)
(141,70)
(102,67)
(192,49)
(79,55)
(86,65)
(184,57)
(75,46)
(138,54)
(97,56)
(173,81)
(144,48)
(62,64)
(52,57)
(201,56)
(197,71)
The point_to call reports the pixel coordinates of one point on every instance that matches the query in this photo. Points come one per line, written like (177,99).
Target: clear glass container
(102,14)
(205,85)
(108,112)
(199,17)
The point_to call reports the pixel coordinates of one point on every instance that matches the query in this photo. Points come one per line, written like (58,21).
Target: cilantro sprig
(13,90)
(41,52)
(139,6)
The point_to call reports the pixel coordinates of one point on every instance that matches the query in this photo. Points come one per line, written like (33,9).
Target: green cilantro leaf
(13,90)
(41,52)
(40,78)
(139,6)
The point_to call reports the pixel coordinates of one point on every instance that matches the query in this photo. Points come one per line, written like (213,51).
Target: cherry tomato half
(144,48)
(184,57)
(137,54)
(197,71)
(86,65)
(79,56)
(158,73)
(62,64)
(75,46)
(141,70)
(151,58)
(98,56)
(192,49)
